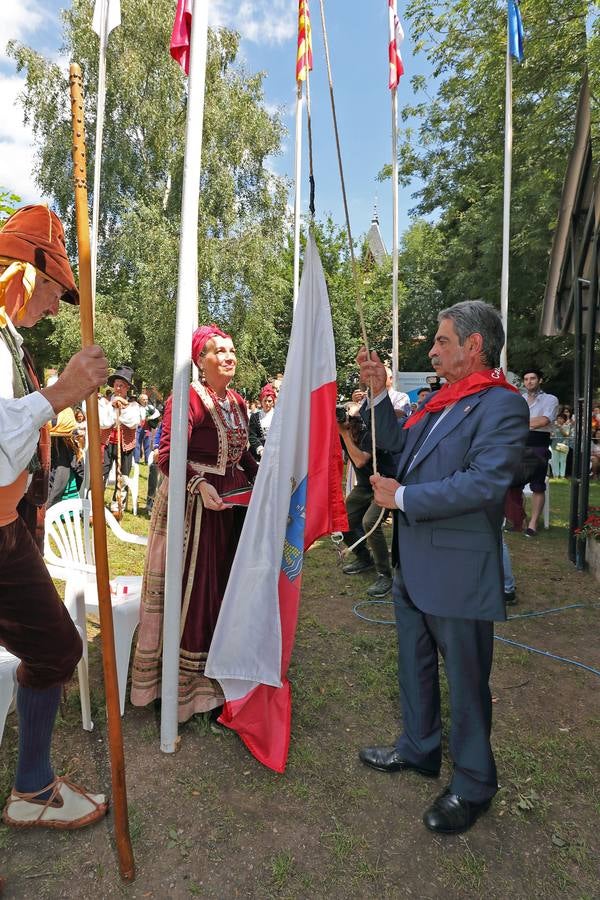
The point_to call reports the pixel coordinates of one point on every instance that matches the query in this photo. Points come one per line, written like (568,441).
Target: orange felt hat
(35,235)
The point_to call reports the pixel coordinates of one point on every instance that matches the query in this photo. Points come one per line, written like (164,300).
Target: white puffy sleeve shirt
(20,419)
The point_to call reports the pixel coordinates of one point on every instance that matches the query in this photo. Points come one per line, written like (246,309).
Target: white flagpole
(298,180)
(187,302)
(395,317)
(98,145)
(508,140)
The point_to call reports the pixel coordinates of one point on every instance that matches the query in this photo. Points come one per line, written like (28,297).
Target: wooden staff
(119,475)
(115,735)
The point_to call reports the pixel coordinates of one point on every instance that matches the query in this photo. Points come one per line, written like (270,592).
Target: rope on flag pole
(311,171)
(298,183)
(111,685)
(355,275)
(396,35)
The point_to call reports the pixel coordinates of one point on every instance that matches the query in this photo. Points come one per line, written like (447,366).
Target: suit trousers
(466,646)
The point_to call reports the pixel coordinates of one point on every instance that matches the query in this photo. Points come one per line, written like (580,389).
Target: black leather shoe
(451,814)
(510,598)
(387,759)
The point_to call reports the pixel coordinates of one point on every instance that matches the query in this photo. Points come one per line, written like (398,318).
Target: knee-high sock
(37,711)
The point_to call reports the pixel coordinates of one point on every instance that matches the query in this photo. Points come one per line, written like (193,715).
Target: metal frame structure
(572,297)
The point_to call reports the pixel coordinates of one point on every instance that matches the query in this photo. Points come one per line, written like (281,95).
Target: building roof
(375,241)
(572,246)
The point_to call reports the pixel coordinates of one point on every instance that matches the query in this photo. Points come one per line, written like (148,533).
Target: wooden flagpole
(111,685)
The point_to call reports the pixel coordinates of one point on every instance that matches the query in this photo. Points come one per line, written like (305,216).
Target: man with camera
(362,510)
(458,455)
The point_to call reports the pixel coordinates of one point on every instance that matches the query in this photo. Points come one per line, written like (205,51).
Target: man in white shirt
(34,625)
(543,408)
(119,421)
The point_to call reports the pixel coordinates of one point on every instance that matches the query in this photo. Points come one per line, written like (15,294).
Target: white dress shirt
(131,415)
(543,404)
(20,418)
(399,495)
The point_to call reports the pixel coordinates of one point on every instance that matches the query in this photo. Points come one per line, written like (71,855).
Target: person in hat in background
(34,625)
(119,421)
(260,421)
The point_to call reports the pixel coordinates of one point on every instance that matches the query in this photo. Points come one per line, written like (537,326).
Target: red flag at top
(396,38)
(181,36)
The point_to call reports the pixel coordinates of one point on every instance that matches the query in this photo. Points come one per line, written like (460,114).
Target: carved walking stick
(113,709)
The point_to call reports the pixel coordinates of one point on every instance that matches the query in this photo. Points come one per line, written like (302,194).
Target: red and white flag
(181,36)
(297,498)
(396,38)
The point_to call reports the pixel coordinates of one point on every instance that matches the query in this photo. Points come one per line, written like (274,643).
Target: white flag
(113,15)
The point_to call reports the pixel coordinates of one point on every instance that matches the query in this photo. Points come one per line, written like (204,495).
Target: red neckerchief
(451,393)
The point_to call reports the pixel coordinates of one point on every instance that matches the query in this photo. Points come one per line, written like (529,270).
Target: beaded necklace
(229,413)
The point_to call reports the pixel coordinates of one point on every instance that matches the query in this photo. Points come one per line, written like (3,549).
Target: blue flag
(515,30)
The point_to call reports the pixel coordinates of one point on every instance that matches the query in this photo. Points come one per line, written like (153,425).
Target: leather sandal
(67,806)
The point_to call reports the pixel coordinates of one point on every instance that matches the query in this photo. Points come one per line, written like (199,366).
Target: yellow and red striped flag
(396,38)
(304,60)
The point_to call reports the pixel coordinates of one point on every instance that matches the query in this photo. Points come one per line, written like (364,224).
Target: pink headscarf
(268,391)
(202,335)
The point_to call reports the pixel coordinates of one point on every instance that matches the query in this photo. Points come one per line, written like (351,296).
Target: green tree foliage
(458,154)
(9,202)
(242,205)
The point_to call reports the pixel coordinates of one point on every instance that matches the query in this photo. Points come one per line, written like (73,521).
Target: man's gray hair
(476,317)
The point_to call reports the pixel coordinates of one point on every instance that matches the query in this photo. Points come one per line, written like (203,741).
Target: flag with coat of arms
(297,498)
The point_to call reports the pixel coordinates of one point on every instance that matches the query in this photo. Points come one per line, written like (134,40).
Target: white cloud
(16,142)
(260,21)
(18,19)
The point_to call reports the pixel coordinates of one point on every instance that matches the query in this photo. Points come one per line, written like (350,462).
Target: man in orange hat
(34,625)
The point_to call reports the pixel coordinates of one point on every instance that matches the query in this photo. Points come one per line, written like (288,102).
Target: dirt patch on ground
(211,822)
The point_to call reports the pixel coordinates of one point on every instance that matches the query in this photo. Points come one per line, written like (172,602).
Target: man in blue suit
(458,456)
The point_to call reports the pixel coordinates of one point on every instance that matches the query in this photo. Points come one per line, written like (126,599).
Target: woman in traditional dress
(218,463)
(260,421)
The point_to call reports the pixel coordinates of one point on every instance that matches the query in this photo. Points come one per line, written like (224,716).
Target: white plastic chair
(8,685)
(69,555)
(132,481)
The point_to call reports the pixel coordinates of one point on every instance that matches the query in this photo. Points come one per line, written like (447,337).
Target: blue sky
(358,48)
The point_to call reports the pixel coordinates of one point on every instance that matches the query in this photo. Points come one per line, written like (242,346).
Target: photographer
(361,507)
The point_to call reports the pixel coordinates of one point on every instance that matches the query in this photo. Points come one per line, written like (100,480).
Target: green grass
(282,867)
(328,828)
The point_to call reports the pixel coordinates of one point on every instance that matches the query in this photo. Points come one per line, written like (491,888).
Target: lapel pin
(466,409)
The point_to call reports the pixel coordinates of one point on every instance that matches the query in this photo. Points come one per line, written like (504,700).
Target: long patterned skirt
(211,540)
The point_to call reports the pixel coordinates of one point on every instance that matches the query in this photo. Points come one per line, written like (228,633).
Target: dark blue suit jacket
(448,539)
